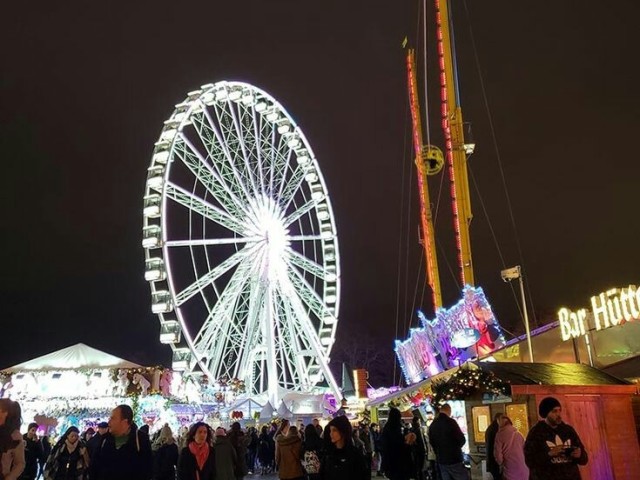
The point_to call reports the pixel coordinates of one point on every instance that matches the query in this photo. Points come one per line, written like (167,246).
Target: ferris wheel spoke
(305,263)
(258,147)
(230,164)
(212,275)
(308,295)
(300,212)
(208,177)
(252,331)
(243,147)
(295,336)
(212,241)
(218,154)
(204,208)
(307,238)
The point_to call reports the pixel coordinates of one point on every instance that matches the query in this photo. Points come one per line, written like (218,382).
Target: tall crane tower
(430,159)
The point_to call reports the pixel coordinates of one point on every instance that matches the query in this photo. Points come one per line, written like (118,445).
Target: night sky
(85,87)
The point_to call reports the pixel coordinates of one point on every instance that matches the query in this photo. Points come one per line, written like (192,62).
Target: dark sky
(85,87)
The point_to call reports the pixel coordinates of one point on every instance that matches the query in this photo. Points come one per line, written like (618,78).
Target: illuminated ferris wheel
(240,243)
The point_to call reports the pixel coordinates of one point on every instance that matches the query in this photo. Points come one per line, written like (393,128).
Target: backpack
(311,462)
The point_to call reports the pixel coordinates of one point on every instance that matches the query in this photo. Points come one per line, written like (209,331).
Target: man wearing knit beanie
(553,449)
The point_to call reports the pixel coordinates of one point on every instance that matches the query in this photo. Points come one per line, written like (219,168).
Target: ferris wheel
(240,243)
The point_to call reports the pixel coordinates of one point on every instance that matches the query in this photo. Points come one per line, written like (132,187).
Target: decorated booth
(596,404)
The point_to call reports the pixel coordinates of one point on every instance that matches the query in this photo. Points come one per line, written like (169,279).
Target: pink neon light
(417,145)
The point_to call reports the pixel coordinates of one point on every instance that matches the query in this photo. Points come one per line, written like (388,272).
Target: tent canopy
(74,357)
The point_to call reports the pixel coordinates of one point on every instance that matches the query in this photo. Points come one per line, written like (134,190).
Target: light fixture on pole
(511,274)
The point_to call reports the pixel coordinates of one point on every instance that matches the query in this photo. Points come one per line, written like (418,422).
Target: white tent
(284,412)
(267,411)
(72,358)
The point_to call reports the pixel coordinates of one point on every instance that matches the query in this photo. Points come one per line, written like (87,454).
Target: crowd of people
(119,450)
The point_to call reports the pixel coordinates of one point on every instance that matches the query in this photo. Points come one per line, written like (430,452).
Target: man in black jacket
(447,440)
(490,436)
(124,453)
(33,453)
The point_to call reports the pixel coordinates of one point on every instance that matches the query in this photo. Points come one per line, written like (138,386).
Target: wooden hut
(596,404)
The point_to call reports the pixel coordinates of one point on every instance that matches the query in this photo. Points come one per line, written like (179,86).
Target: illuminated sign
(466,330)
(608,309)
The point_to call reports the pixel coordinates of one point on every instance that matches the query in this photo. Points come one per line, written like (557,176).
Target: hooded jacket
(536,452)
(345,463)
(288,456)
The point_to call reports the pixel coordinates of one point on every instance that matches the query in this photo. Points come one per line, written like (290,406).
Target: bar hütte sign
(608,309)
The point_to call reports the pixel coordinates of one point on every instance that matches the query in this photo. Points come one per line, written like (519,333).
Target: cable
(498,156)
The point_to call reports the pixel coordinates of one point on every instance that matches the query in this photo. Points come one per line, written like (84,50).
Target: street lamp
(511,274)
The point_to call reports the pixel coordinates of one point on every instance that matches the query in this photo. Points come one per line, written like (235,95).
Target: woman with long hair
(165,456)
(69,458)
(197,459)
(11,445)
(311,452)
(265,452)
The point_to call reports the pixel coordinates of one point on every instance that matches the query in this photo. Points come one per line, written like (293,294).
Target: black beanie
(343,425)
(546,405)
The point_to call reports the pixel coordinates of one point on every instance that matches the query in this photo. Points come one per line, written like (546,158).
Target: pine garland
(466,382)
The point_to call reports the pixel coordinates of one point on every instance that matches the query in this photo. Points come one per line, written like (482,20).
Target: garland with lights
(464,383)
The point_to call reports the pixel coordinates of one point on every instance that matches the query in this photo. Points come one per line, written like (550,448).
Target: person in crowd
(12,460)
(396,453)
(94,442)
(165,456)
(69,458)
(88,435)
(33,454)
(377,448)
(508,451)
(490,437)
(447,441)
(144,429)
(341,459)
(311,452)
(365,437)
(288,455)
(316,424)
(553,449)
(240,441)
(359,444)
(226,457)
(124,453)
(265,452)
(252,450)
(198,459)
(418,449)
(45,442)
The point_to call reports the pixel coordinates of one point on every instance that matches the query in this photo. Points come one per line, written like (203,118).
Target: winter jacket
(343,464)
(33,456)
(508,451)
(165,460)
(536,452)
(240,442)
(132,461)
(65,465)
(188,466)
(490,437)
(446,439)
(396,455)
(226,459)
(288,453)
(12,461)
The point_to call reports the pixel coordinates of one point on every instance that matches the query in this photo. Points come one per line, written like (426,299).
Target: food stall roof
(518,373)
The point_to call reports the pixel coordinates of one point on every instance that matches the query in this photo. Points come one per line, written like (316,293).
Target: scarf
(71,447)
(201,452)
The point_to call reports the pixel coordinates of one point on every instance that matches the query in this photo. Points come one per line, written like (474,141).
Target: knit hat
(221,432)
(343,425)
(546,405)
(103,425)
